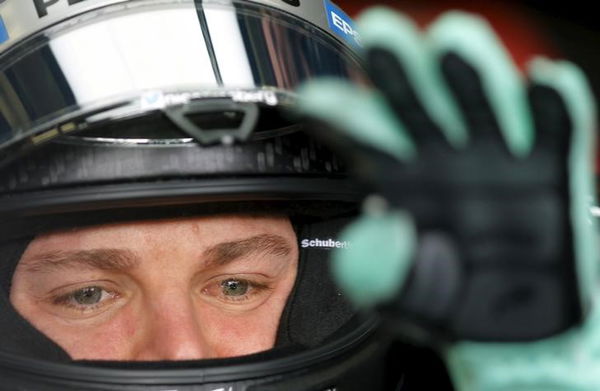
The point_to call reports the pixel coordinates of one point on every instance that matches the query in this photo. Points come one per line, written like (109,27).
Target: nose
(170,330)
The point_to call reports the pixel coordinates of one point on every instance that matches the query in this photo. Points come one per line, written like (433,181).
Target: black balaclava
(19,336)
(316,308)
(314,311)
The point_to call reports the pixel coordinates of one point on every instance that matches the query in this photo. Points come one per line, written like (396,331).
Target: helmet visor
(126,59)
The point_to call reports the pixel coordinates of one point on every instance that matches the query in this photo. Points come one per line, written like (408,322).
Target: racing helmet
(115,110)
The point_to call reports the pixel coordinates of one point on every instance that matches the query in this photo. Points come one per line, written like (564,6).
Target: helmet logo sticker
(41,6)
(158,100)
(3,31)
(324,243)
(342,24)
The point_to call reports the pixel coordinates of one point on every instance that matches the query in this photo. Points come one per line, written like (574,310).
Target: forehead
(199,231)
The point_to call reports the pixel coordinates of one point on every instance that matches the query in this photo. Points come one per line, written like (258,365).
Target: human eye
(236,290)
(85,300)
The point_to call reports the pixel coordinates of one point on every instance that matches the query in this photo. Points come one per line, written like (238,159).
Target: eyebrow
(121,259)
(102,259)
(224,253)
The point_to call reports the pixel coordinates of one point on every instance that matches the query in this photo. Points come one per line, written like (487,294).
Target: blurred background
(569,29)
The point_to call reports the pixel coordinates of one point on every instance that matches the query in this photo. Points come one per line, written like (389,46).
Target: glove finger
(572,89)
(374,268)
(484,80)
(552,125)
(355,118)
(400,63)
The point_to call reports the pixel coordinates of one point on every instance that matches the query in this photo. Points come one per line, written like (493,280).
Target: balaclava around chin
(314,311)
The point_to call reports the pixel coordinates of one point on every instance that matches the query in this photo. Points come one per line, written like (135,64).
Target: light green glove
(501,165)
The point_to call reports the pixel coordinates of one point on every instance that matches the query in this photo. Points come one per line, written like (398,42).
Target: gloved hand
(480,240)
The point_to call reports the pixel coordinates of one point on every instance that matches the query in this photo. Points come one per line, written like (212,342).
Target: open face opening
(180,289)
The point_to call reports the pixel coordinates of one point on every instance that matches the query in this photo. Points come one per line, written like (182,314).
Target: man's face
(162,290)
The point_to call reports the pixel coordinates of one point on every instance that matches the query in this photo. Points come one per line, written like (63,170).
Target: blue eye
(237,290)
(233,287)
(88,296)
(86,299)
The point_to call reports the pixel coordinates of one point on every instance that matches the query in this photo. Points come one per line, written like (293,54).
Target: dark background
(568,29)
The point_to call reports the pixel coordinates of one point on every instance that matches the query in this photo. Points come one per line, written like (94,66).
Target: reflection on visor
(124,54)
